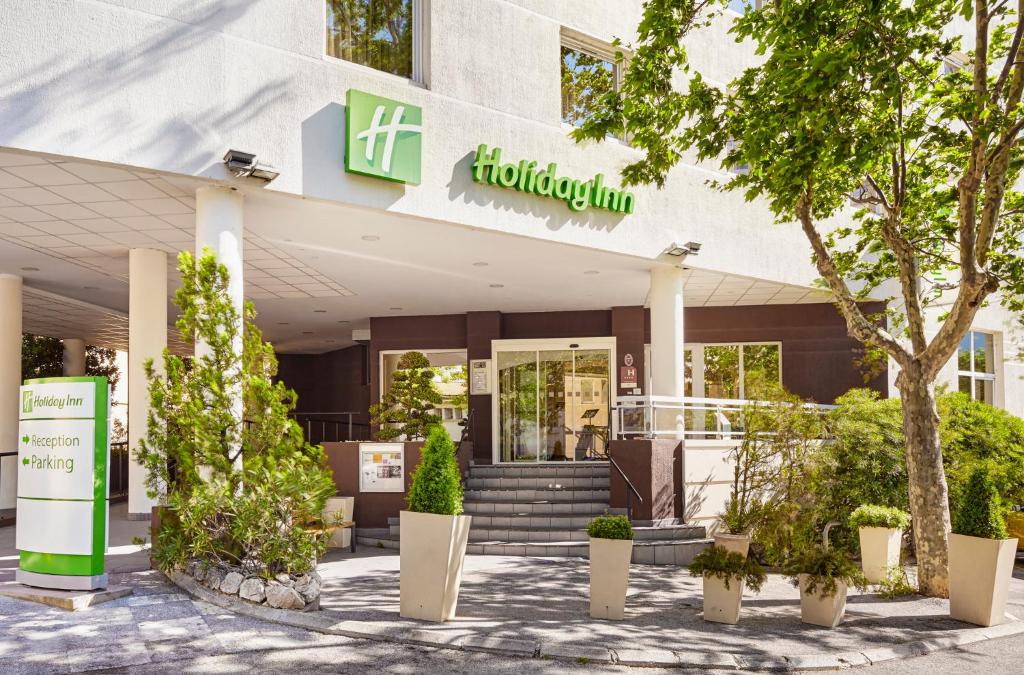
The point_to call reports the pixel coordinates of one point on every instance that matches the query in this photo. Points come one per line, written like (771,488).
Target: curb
(636,657)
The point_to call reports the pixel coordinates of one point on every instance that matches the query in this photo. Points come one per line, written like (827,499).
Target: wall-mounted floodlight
(244,164)
(689,248)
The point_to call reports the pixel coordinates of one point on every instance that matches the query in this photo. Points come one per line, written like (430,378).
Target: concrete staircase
(543,510)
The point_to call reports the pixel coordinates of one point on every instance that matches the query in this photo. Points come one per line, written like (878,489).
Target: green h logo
(26,402)
(383,138)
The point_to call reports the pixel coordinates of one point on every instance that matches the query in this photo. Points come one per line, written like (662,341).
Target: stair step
(529,508)
(530,495)
(539,483)
(593,469)
(547,533)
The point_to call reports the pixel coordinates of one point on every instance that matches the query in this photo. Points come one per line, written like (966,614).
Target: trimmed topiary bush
(824,567)
(873,515)
(980,513)
(436,484)
(610,527)
(728,565)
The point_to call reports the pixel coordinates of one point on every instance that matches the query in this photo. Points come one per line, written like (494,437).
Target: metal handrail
(308,419)
(629,484)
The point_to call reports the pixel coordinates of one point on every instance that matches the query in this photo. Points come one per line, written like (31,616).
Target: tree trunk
(929,495)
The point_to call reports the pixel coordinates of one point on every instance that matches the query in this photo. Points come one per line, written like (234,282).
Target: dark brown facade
(818,357)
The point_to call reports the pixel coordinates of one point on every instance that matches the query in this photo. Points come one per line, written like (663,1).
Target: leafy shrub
(436,484)
(726,565)
(824,567)
(405,409)
(872,515)
(980,513)
(896,584)
(235,494)
(610,527)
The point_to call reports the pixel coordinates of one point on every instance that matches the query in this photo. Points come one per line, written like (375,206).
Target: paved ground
(161,630)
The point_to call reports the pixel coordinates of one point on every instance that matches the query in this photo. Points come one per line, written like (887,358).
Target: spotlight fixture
(689,248)
(29,269)
(497,285)
(370,237)
(244,164)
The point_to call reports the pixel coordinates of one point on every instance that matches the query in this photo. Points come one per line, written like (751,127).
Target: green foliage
(824,567)
(405,409)
(237,494)
(43,356)
(981,513)
(728,565)
(610,527)
(896,584)
(585,79)
(873,515)
(375,34)
(436,484)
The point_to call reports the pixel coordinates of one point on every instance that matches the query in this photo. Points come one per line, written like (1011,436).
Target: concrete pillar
(10,380)
(74,357)
(667,353)
(219,217)
(147,338)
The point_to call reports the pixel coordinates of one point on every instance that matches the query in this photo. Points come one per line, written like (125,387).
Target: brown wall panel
(371,509)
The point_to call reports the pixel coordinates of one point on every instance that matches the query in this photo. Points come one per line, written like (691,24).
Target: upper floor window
(976,367)
(588,71)
(379,34)
(744,6)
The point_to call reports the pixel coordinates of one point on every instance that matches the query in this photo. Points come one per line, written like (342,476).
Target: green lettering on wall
(524,177)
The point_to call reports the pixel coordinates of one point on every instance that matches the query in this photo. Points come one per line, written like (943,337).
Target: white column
(147,338)
(74,357)
(219,216)
(10,380)
(667,354)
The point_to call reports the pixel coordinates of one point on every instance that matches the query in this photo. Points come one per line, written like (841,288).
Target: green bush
(873,515)
(726,565)
(610,527)
(436,484)
(406,408)
(824,567)
(980,513)
(896,584)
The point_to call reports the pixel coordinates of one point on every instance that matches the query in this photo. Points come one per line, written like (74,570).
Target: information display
(381,467)
(63,452)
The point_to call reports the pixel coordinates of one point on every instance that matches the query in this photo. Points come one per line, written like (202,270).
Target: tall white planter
(432,551)
(339,508)
(819,610)
(609,577)
(721,604)
(979,578)
(734,543)
(879,550)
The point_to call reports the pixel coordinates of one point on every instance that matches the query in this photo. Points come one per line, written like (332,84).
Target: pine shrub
(436,484)
(980,513)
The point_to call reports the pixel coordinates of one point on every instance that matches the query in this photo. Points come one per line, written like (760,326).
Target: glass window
(744,6)
(722,371)
(374,33)
(586,76)
(731,371)
(975,361)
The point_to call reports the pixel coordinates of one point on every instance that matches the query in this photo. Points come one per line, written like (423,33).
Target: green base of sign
(61,581)
(61,563)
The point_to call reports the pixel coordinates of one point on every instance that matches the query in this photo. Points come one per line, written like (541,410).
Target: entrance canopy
(315,270)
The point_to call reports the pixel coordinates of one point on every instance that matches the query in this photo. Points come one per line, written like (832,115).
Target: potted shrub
(726,574)
(611,547)
(738,524)
(881,537)
(980,554)
(824,576)
(433,533)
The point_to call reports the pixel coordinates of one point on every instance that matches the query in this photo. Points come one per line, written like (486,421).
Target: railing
(630,489)
(332,427)
(688,417)
(118,483)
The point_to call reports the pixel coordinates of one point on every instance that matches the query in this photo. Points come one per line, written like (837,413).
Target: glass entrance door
(552,404)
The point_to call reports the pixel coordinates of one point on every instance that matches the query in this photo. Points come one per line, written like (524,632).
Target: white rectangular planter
(432,550)
(821,610)
(879,550)
(609,577)
(339,508)
(734,543)
(721,604)
(979,578)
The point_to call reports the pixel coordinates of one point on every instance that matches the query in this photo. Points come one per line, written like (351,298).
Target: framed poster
(382,467)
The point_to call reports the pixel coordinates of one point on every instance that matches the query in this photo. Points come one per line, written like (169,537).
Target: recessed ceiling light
(481,264)
(282,323)
(319,311)
(370,237)
(343,321)
(29,269)
(497,285)
(396,309)
(88,288)
(307,332)
(332,340)
(592,272)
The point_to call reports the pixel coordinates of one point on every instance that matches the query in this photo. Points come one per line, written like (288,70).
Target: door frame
(545,344)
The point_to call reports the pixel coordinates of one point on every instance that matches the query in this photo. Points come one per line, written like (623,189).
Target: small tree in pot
(611,547)
(726,574)
(824,576)
(405,410)
(433,533)
(881,536)
(980,554)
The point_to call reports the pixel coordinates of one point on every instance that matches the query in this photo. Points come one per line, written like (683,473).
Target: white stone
(232,582)
(252,590)
(284,580)
(308,586)
(214,578)
(283,597)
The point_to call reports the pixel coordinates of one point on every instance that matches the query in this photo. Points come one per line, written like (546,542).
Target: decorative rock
(190,568)
(199,572)
(284,580)
(308,586)
(214,578)
(280,596)
(252,590)
(232,582)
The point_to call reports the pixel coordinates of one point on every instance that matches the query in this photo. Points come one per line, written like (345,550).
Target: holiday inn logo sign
(383,138)
(525,177)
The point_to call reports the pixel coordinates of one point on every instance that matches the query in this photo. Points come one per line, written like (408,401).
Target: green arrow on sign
(25,439)
(25,461)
